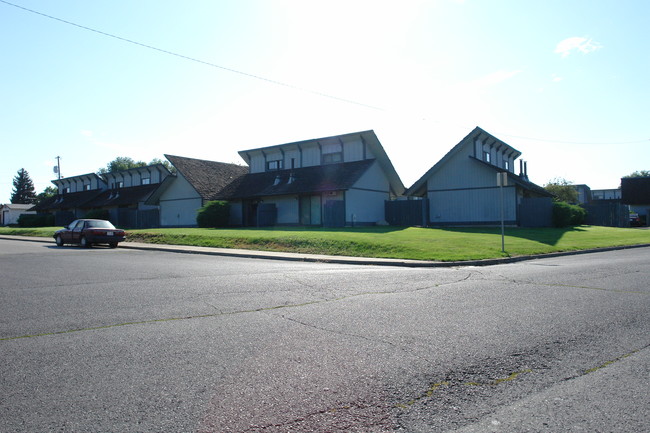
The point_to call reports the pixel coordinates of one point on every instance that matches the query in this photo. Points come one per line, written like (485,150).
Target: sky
(564,82)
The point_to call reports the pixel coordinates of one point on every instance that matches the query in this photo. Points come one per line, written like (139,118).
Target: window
(332,158)
(119,184)
(274,165)
(486,156)
(87,187)
(66,190)
(146,181)
(506,165)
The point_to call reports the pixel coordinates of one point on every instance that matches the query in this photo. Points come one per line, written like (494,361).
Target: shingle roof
(322,178)
(69,200)
(124,196)
(207,177)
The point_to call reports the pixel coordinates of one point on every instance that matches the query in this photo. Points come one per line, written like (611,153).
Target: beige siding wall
(179,204)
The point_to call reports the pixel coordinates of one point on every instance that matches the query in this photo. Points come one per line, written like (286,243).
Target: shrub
(214,214)
(97,214)
(38,220)
(565,214)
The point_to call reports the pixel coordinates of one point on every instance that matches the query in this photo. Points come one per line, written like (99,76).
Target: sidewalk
(301,257)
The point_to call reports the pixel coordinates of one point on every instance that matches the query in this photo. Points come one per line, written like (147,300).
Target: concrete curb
(317,258)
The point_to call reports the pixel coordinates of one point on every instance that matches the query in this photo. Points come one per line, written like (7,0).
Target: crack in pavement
(203,316)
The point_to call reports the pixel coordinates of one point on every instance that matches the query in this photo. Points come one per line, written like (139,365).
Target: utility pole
(57,169)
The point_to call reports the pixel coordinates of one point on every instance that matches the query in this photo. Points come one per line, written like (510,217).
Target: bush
(38,220)
(565,214)
(97,214)
(213,214)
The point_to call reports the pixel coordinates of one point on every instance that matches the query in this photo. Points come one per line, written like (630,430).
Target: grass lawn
(415,243)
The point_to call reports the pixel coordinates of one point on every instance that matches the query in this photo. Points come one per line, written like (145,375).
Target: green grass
(389,242)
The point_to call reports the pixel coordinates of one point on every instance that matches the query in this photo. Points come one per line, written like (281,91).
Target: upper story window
(506,165)
(276,164)
(146,180)
(332,158)
(118,184)
(66,190)
(486,156)
(87,187)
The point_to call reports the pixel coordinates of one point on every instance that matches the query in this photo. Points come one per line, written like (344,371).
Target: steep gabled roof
(305,180)
(208,178)
(476,133)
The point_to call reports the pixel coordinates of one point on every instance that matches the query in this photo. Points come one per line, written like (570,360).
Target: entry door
(310,210)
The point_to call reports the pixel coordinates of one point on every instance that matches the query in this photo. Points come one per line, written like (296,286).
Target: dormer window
(87,187)
(332,158)
(276,164)
(146,181)
(66,190)
(506,165)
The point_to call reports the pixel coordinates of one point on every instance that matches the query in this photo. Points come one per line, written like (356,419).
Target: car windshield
(100,224)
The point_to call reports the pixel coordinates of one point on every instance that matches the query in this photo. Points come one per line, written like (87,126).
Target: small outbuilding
(9,213)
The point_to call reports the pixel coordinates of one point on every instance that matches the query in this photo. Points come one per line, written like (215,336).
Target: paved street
(145,341)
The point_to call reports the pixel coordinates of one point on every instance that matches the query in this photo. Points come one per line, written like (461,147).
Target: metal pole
(503,242)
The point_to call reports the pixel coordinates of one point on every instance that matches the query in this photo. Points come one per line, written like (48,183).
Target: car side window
(73,224)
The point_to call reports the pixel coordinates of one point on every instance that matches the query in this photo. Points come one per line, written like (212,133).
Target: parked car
(635,221)
(87,232)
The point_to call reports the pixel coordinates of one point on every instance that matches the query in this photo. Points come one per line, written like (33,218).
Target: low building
(462,189)
(9,213)
(336,181)
(635,192)
(122,194)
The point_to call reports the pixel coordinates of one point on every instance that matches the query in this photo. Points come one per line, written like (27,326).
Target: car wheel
(113,245)
(84,243)
(59,241)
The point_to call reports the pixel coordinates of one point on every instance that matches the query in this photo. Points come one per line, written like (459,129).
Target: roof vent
(292,178)
(277,180)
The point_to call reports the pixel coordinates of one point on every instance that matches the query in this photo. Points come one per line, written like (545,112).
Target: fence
(407,212)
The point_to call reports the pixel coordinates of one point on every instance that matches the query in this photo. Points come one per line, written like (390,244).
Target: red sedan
(87,232)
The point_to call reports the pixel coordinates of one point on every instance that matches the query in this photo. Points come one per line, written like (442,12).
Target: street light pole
(502,180)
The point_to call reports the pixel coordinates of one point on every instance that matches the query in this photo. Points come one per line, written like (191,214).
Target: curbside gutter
(318,258)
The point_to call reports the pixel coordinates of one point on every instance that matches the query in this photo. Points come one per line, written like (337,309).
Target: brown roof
(131,195)
(207,177)
(305,180)
(69,200)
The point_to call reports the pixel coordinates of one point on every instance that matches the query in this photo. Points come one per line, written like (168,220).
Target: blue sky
(564,82)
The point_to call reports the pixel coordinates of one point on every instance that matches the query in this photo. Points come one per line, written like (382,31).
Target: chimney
(526,170)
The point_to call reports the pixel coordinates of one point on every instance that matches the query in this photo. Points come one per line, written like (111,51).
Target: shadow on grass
(545,235)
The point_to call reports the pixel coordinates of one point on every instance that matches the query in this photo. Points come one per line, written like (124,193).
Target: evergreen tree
(23,192)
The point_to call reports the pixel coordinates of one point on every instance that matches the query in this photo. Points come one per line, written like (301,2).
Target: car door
(76,231)
(66,234)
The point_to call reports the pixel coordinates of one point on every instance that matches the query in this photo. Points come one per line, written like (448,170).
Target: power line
(276,82)
(203,62)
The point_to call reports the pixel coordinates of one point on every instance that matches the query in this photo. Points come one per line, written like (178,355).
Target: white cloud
(576,43)
(555,78)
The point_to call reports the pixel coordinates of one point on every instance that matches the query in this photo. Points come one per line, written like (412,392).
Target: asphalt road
(123,340)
